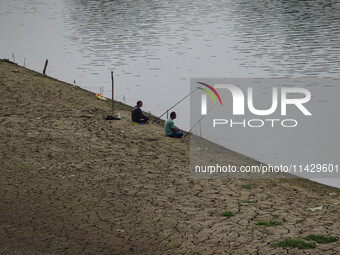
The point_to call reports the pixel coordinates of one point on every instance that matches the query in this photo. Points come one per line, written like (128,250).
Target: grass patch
(253,228)
(327,224)
(22,161)
(275,216)
(227,214)
(321,238)
(292,243)
(249,202)
(248,186)
(300,221)
(175,227)
(269,223)
(265,232)
(173,240)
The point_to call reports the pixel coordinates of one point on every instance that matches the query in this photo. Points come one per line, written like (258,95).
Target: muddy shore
(74,183)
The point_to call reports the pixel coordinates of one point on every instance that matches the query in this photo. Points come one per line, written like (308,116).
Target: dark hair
(172,114)
(139,102)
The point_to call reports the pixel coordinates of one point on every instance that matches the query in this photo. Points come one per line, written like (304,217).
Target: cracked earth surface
(73,183)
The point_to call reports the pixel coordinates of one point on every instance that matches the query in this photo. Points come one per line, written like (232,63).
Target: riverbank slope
(74,183)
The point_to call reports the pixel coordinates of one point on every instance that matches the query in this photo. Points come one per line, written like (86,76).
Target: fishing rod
(198,122)
(178,102)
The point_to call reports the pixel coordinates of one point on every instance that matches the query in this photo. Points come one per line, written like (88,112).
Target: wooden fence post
(46,62)
(113,86)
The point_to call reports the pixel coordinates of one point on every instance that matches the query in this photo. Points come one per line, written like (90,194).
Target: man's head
(139,103)
(173,115)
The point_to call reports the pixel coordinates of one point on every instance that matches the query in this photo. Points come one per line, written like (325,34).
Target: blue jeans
(176,134)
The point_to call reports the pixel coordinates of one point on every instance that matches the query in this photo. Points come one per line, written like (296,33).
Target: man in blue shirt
(137,115)
(169,127)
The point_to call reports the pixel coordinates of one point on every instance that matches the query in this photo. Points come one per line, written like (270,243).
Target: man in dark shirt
(137,115)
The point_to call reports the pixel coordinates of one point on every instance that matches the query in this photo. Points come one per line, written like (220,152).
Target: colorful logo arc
(209,93)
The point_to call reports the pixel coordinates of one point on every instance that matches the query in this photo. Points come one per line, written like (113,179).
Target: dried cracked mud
(74,183)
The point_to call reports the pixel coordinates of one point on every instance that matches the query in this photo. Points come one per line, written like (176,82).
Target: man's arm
(139,112)
(173,129)
(143,116)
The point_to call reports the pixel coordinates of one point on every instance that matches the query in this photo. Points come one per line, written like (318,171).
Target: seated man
(169,127)
(137,115)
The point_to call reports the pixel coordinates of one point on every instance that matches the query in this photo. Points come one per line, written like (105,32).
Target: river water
(155,47)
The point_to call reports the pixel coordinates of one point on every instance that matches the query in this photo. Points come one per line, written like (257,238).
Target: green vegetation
(173,240)
(249,202)
(300,221)
(175,227)
(253,228)
(239,203)
(275,216)
(292,243)
(327,224)
(227,214)
(269,223)
(265,232)
(76,87)
(321,238)
(248,186)
(22,161)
